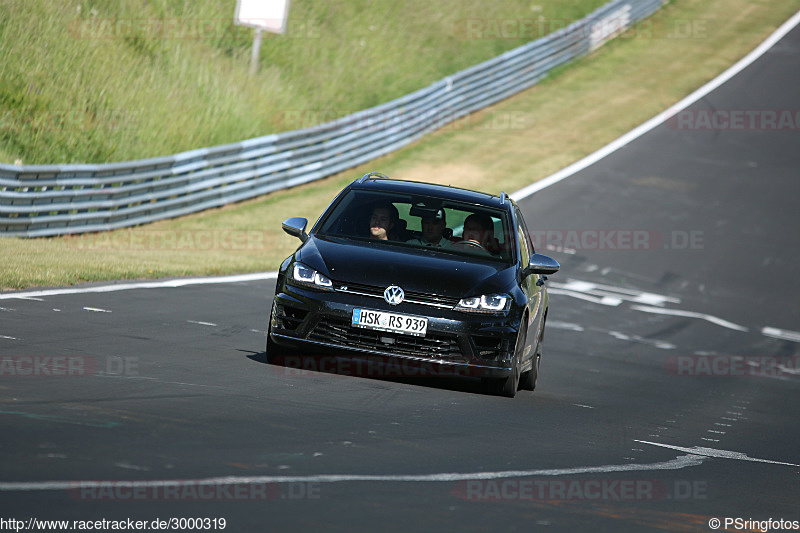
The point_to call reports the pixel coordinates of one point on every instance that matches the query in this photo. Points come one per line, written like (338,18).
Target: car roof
(379,182)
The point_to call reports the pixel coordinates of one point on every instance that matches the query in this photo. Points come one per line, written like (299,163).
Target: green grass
(505,147)
(92,81)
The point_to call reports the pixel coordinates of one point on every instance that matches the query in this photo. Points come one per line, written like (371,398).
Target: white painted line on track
(662,345)
(569,326)
(783,334)
(711,452)
(201,323)
(690,314)
(683,461)
(173,283)
(605,300)
(613,293)
(661,117)
(96,310)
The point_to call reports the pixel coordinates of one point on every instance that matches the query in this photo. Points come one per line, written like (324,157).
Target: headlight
(487,303)
(309,277)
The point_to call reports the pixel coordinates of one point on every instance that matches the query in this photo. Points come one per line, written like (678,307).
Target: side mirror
(296,227)
(542,264)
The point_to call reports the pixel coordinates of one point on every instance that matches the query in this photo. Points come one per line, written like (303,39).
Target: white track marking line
(783,334)
(690,314)
(612,294)
(174,283)
(663,116)
(202,323)
(96,310)
(605,300)
(683,461)
(569,326)
(662,345)
(711,452)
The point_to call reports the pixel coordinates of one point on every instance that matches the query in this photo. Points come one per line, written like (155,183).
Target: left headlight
(486,303)
(307,276)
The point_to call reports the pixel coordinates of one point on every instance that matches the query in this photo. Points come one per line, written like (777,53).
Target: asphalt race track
(668,395)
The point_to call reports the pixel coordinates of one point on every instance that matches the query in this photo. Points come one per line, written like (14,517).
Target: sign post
(263,15)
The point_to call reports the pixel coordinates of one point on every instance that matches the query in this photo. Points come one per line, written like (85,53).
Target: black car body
(476,307)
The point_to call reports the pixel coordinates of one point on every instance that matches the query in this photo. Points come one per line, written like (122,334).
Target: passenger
(382,220)
(433,231)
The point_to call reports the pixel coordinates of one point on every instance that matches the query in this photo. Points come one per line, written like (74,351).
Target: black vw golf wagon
(420,273)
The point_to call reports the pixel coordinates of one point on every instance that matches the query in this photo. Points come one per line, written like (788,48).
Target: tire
(276,354)
(273,350)
(508,386)
(529,378)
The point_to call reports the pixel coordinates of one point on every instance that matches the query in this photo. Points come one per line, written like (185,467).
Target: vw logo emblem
(393,295)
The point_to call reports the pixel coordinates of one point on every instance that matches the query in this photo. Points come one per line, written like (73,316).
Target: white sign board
(267,15)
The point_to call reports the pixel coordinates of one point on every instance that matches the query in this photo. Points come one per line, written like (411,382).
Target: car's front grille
(410,297)
(431,346)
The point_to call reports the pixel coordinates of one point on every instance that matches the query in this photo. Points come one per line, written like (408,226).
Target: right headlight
(486,303)
(308,277)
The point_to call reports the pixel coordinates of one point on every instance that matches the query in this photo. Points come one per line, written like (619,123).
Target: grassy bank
(92,81)
(514,143)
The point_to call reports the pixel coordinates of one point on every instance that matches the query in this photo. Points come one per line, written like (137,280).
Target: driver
(478,228)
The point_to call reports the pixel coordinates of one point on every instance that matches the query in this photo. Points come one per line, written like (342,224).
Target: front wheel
(508,386)
(529,378)
(273,350)
(276,354)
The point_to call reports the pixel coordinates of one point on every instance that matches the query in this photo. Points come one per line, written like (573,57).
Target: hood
(415,270)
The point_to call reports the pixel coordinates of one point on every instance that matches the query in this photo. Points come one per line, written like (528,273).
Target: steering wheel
(471,243)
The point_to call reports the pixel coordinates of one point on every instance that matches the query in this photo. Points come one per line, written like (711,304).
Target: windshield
(435,224)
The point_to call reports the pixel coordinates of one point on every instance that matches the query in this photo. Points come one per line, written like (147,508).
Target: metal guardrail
(47,200)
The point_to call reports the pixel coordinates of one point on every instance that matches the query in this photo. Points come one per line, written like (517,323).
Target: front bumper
(465,344)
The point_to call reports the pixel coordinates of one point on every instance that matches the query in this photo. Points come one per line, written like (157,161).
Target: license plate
(382,321)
